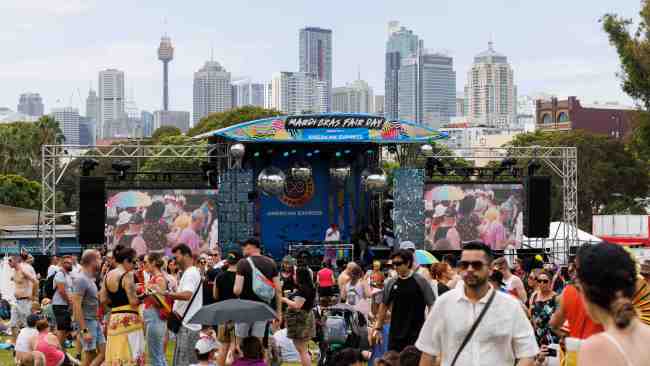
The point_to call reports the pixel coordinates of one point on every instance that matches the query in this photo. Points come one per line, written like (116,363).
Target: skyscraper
(245,92)
(30,104)
(92,105)
(490,93)
(147,123)
(427,89)
(165,54)
(212,90)
(401,43)
(111,99)
(298,92)
(356,97)
(379,104)
(316,57)
(179,119)
(68,119)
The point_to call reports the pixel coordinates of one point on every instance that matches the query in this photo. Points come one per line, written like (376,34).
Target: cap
(205,345)
(233,258)
(407,245)
(123,218)
(439,211)
(136,219)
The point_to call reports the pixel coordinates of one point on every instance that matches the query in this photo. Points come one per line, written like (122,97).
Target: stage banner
(236,214)
(408,209)
(299,214)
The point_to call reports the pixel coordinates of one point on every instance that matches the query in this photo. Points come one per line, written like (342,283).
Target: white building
(179,119)
(379,105)
(468,141)
(356,97)
(111,99)
(490,92)
(7,116)
(298,92)
(68,119)
(268,95)
(212,90)
(245,92)
(527,110)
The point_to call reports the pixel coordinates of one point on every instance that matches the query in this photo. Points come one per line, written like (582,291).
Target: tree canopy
(165,131)
(219,120)
(19,191)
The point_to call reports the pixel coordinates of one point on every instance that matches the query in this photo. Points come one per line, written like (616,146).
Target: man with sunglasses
(409,294)
(503,334)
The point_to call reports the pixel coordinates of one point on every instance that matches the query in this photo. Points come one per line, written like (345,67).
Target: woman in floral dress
(543,304)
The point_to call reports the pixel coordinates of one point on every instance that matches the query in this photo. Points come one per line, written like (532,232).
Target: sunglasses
(477,265)
(398,263)
(543,280)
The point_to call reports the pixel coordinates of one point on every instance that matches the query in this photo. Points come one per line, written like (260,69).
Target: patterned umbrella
(447,193)
(422,257)
(129,199)
(642,300)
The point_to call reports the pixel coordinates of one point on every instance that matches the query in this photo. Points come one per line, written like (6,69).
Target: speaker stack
(537,213)
(92,210)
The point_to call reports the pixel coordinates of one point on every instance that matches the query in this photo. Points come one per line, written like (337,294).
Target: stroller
(340,327)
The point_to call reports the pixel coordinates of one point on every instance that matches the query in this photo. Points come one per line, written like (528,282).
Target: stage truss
(563,161)
(57,158)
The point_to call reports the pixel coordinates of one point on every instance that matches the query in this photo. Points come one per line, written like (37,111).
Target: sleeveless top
(618,346)
(53,355)
(325,277)
(580,324)
(149,302)
(118,298)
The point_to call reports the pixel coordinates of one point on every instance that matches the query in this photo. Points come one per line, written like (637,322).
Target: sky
(57,47)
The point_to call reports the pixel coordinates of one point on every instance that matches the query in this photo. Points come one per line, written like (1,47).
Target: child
(205,349)
(253,353)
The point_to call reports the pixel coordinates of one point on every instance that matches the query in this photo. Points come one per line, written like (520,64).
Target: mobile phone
(552,352)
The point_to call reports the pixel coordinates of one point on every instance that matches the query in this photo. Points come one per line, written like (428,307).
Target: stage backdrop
(457,213)
(156,220)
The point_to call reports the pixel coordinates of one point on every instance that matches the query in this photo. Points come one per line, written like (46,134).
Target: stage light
(210,170)
(347,151)
(316,151)
(87,166)
(533,166)
(309,155)
(370,152)
(256,154)
(285,154)
(121,167)
(338,154)
(269,151)
(293,151)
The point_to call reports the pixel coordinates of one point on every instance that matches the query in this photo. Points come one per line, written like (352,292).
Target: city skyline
(582,62)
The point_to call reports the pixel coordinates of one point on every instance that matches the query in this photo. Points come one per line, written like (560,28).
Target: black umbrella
(235,310)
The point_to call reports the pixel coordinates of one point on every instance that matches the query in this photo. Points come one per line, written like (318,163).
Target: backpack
(48,287)
(335,330)
(262,286)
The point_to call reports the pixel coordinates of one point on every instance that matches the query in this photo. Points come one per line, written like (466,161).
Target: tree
(165,131)
(174,164)
(605,167)
(219,120)
(20,192)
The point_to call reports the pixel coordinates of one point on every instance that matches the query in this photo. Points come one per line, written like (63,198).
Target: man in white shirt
(504,334)
(189,285)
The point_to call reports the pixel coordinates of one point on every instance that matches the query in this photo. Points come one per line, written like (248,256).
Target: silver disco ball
(271,181)
(340,174)
(237,151)
(374,181)
(300,171)
(426,150)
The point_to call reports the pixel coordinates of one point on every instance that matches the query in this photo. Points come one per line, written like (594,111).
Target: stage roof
(328,127)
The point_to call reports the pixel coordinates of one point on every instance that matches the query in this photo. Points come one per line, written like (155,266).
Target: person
(134,234)
(172,273)
(47,344)
(124,330)
(190,235)
(496,235)
(357,290)
(25,281)
(332,234)
(61,299)
(223,290)
(447,231)
(504,334)
(189,286)
(155,230)
(299,316)
(571,309)
(410,295)
(252,353)
(543,304)
(514,285)
(390,358)
(205,348)
(468,222)
(287,273)
(531,286)
(210,274)
(607,278)
(410,356)
(496,281)
(325,281)
(349,357)
(252,250)
(53,267)
(154,313)
(24,354)
(439,278)
(85,303)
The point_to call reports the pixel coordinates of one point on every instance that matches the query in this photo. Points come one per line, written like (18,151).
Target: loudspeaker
(537,213)
(92,210)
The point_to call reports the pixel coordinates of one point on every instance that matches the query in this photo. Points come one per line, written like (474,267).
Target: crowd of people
(121,308)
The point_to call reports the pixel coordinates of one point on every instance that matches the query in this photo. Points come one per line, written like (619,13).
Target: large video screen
(458,213)
(158,219)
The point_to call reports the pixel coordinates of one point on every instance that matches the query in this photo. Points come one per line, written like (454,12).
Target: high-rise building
(86,131)
(68,119)
(245,92)
(490,92)
(298,92)
(379,105)
(212,90)
(460,106)
(147,123)
(92,105)
(111,99)
(165,54)
(427,89)
(316,57)
(178,119)
(30,104)
(356,97)
(401,43)
(268,95)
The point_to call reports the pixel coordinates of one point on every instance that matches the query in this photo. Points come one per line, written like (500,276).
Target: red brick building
(569,114)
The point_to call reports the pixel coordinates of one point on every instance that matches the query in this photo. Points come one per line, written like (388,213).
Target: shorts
(98,336)
(226,333)
(19,313)
(300,325)
(256,329)
(326,291)
(63,317)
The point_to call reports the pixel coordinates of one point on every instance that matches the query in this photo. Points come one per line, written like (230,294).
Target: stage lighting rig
(121,168)
(533,167)
(87,166)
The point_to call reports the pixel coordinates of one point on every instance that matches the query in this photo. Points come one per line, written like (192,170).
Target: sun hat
(123,218)
(205,345)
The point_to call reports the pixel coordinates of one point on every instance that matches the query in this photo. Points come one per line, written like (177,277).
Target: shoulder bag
(175,321)
(474,326)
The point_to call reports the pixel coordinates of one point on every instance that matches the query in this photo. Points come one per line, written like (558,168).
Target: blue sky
(57,47)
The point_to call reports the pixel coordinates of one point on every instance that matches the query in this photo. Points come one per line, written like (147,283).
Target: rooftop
(490,56)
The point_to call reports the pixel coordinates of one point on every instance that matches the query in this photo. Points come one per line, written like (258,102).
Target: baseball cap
(407,245)
(123,218)
(205,345)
